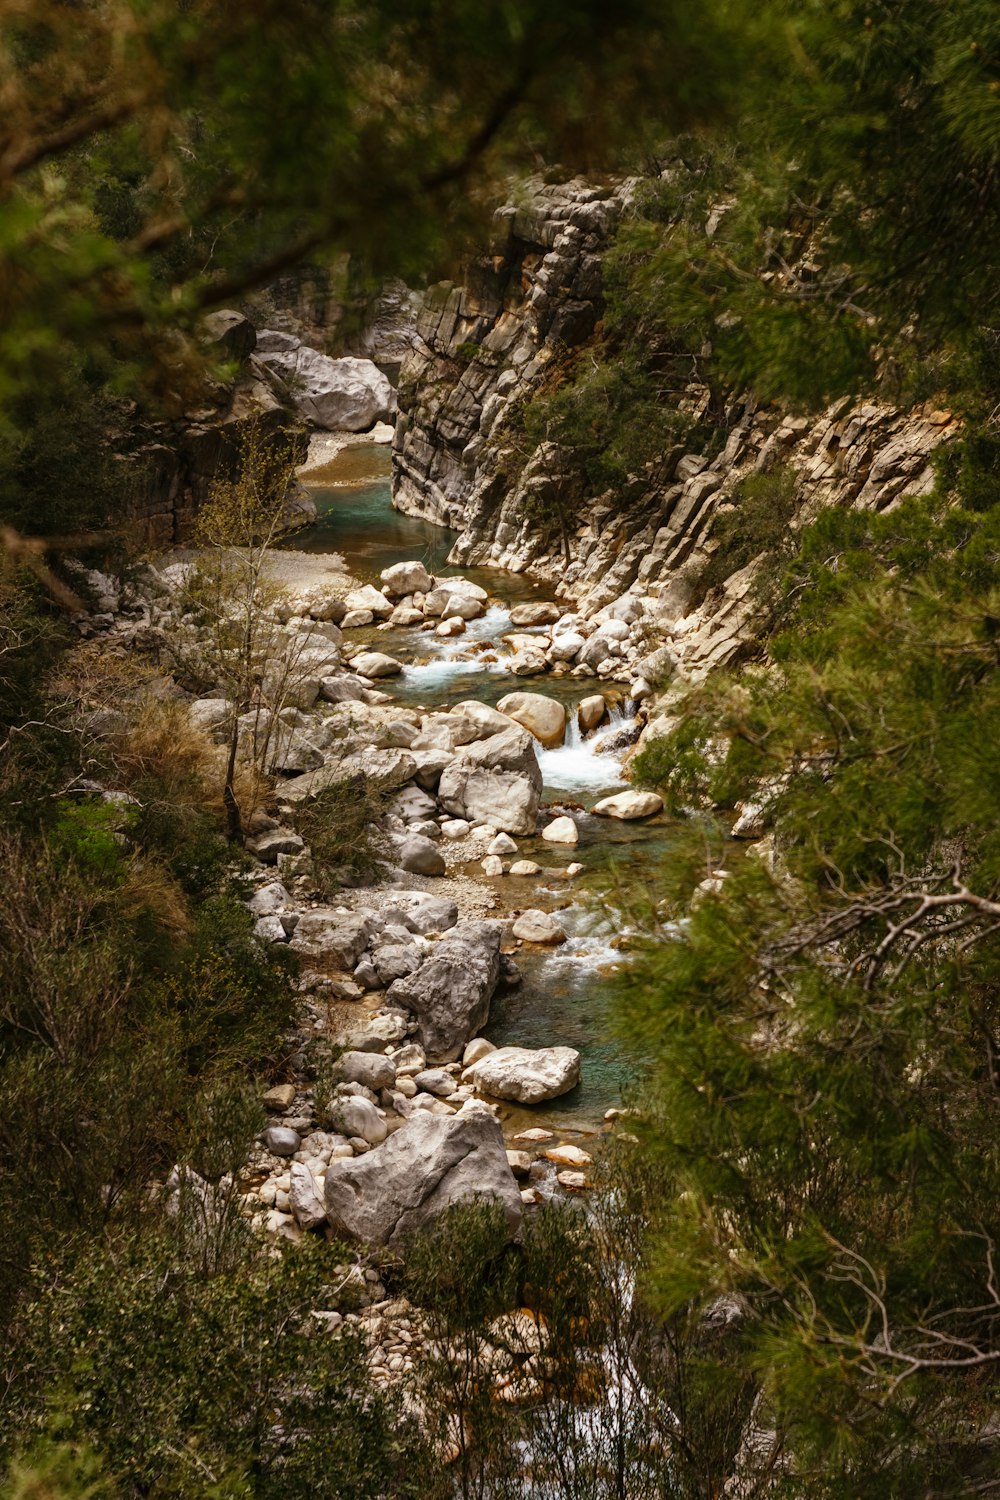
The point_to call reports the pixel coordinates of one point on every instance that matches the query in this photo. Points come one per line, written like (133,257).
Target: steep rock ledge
(483,349)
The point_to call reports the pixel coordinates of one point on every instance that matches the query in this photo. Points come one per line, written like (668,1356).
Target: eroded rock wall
(485,347)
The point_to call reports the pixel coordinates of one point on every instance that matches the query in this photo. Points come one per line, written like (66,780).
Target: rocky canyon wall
(488,346)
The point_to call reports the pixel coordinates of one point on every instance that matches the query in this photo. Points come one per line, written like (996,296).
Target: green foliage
(54,1469)
(211,1384)
(612,418)
(91,833)
(821,1029)
(337,824)
(121,1010)
(754,524)
(57,472)
(147,177)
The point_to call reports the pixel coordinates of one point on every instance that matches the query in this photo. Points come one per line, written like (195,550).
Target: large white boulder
(566,647)
(590,711)
(561,831)
(462,586)
(451,990)
(376,664)
(421,1170)
(538,612)
(406,578)
(629,805)
(534,926)
(355,1115)
(420,912)
(495,781)
(340,395)
(332,937)
(526,1074)
(542,716)
(487,720)
(368,597)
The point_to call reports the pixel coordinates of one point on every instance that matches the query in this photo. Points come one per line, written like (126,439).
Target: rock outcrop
(484,348)
(173,465)
(450,992)
(387,1195)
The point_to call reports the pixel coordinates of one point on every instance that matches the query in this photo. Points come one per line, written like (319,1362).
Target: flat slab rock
(332,937)
(529,1075)
(420,912)
(420,1171)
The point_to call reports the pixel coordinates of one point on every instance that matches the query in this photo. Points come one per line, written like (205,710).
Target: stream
(565,996)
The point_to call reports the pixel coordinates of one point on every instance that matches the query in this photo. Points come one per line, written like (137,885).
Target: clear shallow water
(565,996)
(355,516)
(353,495)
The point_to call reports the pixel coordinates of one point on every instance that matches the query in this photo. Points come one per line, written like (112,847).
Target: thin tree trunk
(234,822)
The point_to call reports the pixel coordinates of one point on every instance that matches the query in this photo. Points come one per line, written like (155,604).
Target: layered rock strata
(485,347)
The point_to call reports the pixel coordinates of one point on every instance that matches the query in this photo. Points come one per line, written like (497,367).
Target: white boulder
(406,578)
(340,395)
(542,716)
(529,1075)
(534,926)
(432,1162)
(590,711)
(376,664)
(629,805)
(561,831)
(367,597)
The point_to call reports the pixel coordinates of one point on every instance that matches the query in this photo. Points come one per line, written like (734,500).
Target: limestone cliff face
(483,348)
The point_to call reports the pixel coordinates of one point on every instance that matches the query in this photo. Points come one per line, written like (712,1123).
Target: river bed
(565,997)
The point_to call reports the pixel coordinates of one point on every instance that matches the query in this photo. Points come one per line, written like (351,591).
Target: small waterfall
(586,763)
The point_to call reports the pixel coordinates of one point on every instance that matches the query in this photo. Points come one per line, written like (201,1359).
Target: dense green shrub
(754,523)
(338,825)
(192,1383)
(119,1006)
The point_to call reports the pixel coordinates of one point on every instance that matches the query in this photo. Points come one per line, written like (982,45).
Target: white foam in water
(578,765)
(429,674)
(590,938)
(494,622)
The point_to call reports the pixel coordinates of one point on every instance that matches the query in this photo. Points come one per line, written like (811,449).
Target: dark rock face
(538,293)
(174,469)
(233,334)
(388,1194)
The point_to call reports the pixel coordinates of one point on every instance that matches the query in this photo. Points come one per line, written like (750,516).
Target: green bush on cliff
(822,1028)
(752,525)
